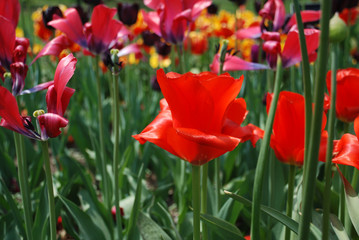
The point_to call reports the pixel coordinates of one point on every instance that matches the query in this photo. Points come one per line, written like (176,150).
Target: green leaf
(221,227)
(352,202)
(136,205)
(15,211)
(149,229)
(287,221)
(88,229)
(338,227)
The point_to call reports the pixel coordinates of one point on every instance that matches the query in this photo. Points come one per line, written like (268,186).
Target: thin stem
(106,193)
(196,200)
(315,134)
(24,187)
(50,190)
(263,156)
(306,78)
(116,112)
(291,179)
(204,199)
(217,185)
(331,131)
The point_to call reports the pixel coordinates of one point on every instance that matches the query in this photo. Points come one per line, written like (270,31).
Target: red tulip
(172,17)
(346,151)
(200,116)
(98,36)
(287,139)
(347,100)
(57,98)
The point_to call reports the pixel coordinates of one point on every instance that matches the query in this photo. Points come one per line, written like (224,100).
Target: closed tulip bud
(338,30)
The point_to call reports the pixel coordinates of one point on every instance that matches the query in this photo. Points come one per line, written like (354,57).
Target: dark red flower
(47,15)
(127,13)
(200,116)
(287,139)
(347,99)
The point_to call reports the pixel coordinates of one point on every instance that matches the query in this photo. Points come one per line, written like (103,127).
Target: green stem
(116,125)
(217,185)
(50,190)
(306,79)
(331,131)
(311,158)
(106,193)
(24,187)
(196,200)
(204,199)
(263,156)
(291,179)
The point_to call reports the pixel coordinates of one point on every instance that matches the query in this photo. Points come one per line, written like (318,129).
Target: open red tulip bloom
(287,139)
(200,116)
(347,99)
(57,98)
(171,18)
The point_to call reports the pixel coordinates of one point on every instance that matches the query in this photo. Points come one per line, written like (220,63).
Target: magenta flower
(274,11)
(57,99)
(290,53)
(171,18)
(97,36)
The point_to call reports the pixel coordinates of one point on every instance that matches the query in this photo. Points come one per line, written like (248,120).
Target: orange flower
(198,43)
(200,116)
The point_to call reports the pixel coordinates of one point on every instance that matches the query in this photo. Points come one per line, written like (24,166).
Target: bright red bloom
(346,151)
(57,98)
(347,99)
(198,43)
(287,139)
(171,18)
(351,13)
(200,116)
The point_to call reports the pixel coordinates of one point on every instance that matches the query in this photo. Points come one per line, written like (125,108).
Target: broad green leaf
(222,227)
(15,211)
(149,229)
(338,227)
(352,202)
(287,221)
(88,229)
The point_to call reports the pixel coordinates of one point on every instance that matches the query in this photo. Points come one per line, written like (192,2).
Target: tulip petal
(291,52)
(131,48)
(50,125)
(10,9)
(346,151)
(356,127)
(104,28)
(307,16)
(251,32)
(7,42)
(202,89)
(64,71)
(11,118)
(152,19)
(54,47)
(37,88)
(234,63)
(71,25)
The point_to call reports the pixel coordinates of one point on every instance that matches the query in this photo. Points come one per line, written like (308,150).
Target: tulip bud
(115,60)
(338,30)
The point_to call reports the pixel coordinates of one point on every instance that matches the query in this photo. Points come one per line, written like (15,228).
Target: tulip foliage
(183,119)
